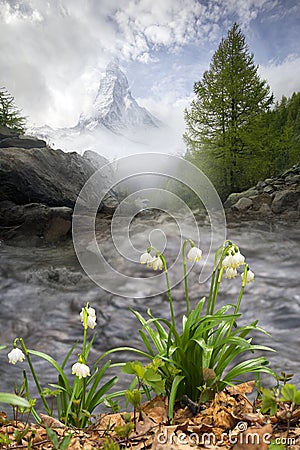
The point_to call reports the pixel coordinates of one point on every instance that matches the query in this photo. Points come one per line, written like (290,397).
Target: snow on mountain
(114,107)
(116,125)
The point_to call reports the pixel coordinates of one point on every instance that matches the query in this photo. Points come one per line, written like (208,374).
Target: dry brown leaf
(108,421)
(243,388)
(157,410)
(75,444)
(223,419)
(252,417)
(50,422)
(144,426)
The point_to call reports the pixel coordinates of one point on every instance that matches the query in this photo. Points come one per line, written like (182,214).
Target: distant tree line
(232,132)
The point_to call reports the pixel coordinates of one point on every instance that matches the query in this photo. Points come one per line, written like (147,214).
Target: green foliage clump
(10,115)
(77,399)
(199,359)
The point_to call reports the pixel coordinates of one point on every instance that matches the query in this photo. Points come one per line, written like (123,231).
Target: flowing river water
(44,288)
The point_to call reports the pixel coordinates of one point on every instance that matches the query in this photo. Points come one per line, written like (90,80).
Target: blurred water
(43,290)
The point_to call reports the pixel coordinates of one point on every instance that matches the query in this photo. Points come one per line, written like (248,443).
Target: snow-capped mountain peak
(114,107)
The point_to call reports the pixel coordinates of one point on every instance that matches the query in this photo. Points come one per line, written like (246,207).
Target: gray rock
(293,178)
(260,185)
(97,160)
(284,200)
(22,142)
(7,133)
(232,199)
(269,198)
(50,177)
(269,189)
(265,210)
(35,221)
(260,200)
(243,204)
(249,193)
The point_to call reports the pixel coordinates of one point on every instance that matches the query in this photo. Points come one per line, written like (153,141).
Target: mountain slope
(114,107)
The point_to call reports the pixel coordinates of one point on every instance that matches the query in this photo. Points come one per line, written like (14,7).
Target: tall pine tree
(229,96)
(10,115)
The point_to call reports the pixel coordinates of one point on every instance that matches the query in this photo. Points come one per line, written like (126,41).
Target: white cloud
(53,52)
(283,78)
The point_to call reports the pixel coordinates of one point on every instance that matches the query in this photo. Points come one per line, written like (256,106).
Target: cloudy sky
(54,52)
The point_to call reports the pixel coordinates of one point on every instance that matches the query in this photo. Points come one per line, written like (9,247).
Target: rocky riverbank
(276,198)
(39,187)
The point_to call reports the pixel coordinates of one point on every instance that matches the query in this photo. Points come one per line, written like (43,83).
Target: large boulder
(11,138)
(7,133)
(35,222)
(22,142)
(286,200)
(51,177)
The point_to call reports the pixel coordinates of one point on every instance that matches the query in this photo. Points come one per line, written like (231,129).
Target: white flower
(249,276)
(227,261)
(80,370)
(145,258)
(16,355)
(230,272)
(91,319)
(234,259)
(237,260)
(156,263)
(194,254)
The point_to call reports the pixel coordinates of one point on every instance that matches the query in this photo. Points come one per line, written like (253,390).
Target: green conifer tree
(10,115)
(229,96)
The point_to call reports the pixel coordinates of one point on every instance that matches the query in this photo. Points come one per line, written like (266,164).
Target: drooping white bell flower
(145,258)
(91,317)
(194,254)
(156,263)
(80,370)
(237,260)
(249,276)
(230,273)
(234,258)
(227,261)
(15,355)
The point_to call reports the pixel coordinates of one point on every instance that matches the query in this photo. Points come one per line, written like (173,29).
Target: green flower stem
(216,289)
(217,266)
(34,376)
(210,293)
(83,354)
(85,327)
(187,302)
(169,290)
(238,303)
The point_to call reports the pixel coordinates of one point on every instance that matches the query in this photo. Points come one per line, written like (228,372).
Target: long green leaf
(207,352)
(13,399)
(68,355)
(99,396)
(146,342)
(251,365)
(56,366)
(172,397)
(96,380)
